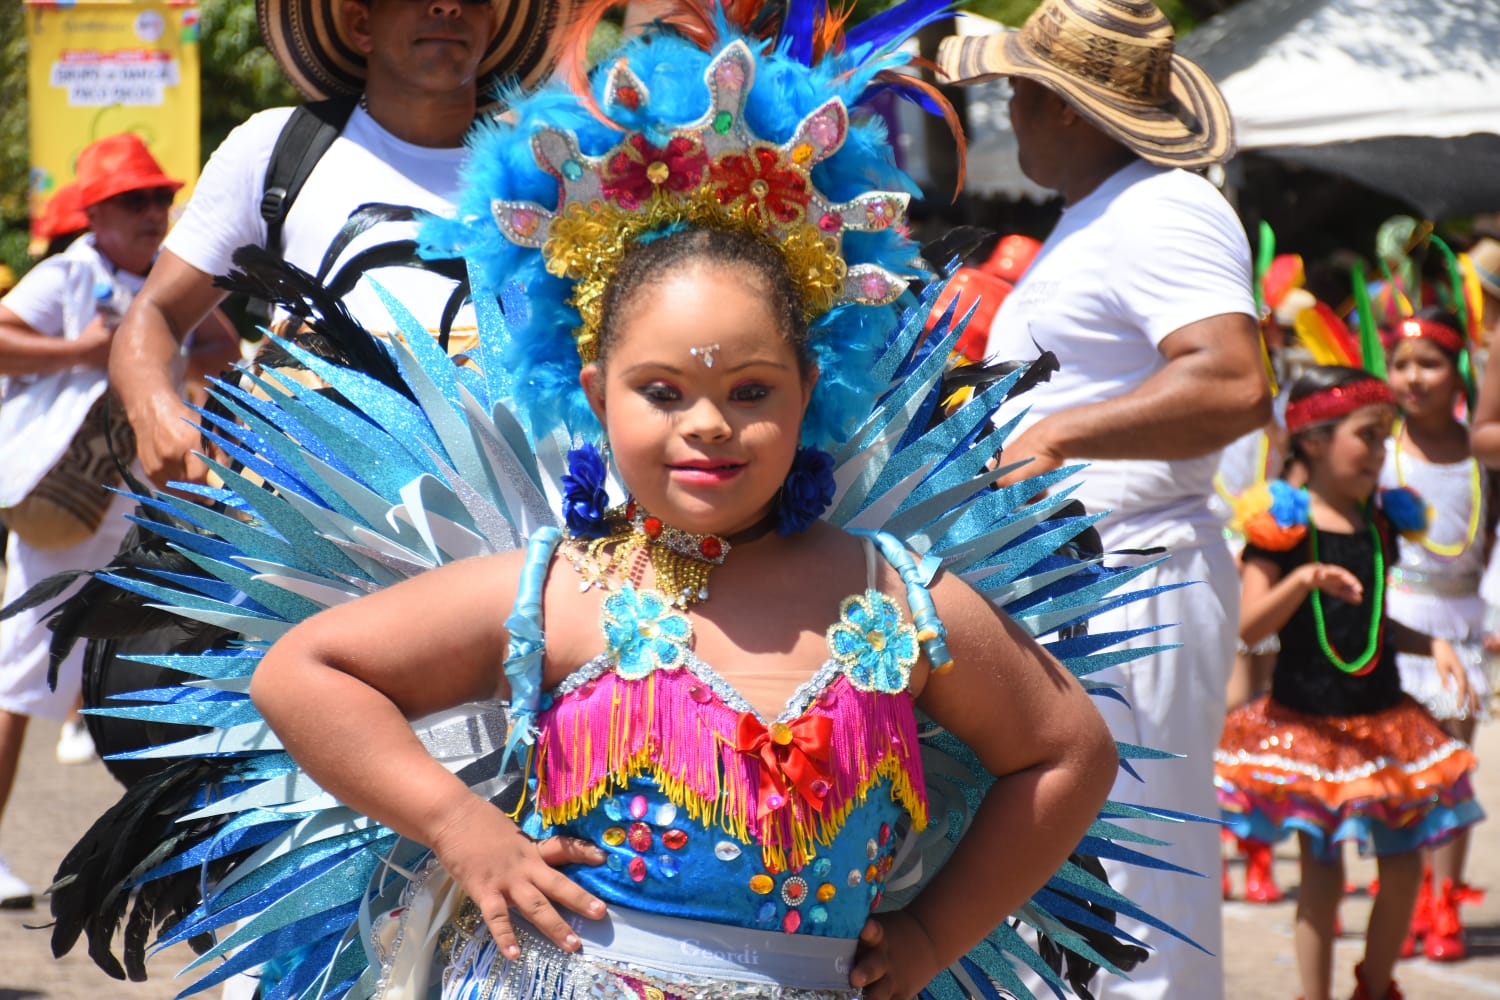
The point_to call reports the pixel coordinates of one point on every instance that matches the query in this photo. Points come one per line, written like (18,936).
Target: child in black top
(1336,751)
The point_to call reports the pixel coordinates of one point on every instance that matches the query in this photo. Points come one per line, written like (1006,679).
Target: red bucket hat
(116,164)
(62,214)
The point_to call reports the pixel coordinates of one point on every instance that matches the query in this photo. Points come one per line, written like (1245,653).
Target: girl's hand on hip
(1335,581)
(895,959)
(502,870)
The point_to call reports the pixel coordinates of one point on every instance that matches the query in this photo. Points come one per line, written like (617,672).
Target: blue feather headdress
(698,123)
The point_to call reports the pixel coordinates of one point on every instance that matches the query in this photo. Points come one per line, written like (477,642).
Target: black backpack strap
(304,139)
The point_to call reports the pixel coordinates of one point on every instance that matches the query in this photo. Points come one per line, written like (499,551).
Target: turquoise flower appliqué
(643,632)
(873,645)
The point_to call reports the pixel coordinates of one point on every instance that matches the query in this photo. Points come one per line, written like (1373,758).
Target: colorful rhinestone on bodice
(707,810)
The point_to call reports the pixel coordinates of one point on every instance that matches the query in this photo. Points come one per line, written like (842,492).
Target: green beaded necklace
(1377,605)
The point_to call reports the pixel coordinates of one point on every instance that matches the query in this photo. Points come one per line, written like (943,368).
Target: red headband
(1336,403)
(1440,334)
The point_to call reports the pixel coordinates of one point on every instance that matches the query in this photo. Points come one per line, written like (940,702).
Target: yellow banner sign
(98,67)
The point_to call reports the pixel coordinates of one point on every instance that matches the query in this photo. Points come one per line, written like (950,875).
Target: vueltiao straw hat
(310,41)
(1113,61)
(1485,256)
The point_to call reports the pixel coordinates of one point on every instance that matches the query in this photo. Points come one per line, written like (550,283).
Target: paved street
(54,804)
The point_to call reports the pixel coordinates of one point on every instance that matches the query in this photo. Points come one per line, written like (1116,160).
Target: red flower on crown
(764,182)
(635,172)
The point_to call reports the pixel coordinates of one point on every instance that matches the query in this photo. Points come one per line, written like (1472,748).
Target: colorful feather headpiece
(699,124)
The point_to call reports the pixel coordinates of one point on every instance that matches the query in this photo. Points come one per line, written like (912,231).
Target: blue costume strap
(930,630)
(523,662)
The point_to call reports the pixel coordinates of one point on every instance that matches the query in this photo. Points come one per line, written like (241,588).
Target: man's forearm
(1170,416)
(143,358)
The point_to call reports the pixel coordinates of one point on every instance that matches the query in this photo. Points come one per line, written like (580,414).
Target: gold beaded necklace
(680,560)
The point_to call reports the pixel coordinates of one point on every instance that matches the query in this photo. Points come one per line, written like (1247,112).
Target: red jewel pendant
(711,548)
(652,527)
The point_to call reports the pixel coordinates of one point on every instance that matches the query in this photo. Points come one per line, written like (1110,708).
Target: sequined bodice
(709,811)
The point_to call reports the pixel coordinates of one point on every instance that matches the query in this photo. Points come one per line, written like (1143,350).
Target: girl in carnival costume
(750,753)
(1336,751)
(1434,588)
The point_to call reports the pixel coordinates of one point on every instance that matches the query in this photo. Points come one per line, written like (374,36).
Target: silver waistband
(632,955)
(1414,581)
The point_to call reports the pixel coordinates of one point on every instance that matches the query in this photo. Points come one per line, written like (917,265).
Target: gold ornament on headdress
(712,174)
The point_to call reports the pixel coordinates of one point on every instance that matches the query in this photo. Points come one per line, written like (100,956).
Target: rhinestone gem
(638,807)
(824,130)
(587,687)
(871,849)
(775,801)
(826,891)
(658,172)
(614,836)
(759,188)
(667,865)
(572,169)
(821,867)
(652,993)
(674,840)
(524,221)
(628,97)
(820,788)
(729,74)
(828,697)
(652,527)
(612,810)
(638,869)
(781,733)
(762,884)
(871,873)
(614,862)
(723,122)
(830,222)
(640,837)
(711,547)
(802,152)
(700,693)
(665,814)
(791,922)
(726,850)
(873,286)
(767,912)
(818,914)
(855,877)
(794,891)
(885,833)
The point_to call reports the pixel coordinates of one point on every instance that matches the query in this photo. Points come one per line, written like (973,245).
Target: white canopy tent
(1401,95)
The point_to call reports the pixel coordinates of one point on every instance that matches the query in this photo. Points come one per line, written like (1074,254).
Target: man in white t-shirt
(1143,291)
(426,65)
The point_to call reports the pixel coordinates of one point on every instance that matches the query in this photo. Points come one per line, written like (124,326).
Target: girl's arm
(1445,659)
(338,690)
(1037,730)
(1268,600)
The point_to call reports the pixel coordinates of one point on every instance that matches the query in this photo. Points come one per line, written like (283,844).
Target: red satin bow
(795,754)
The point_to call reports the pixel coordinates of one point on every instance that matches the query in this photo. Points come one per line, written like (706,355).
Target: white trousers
(1177,704)
(25,638)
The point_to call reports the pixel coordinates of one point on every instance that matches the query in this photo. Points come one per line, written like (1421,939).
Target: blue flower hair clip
(585,499)
(1405,509)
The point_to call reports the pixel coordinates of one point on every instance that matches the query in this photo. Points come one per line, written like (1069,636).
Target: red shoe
(1445,938)
(1362,989)
(1260,884)
(1421,918)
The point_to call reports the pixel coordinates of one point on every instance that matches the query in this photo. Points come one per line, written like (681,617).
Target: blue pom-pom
(1289,504)
(584,497)
(1405,509)
(807,492)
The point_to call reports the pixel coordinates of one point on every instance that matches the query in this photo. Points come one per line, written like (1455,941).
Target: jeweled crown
(714,173)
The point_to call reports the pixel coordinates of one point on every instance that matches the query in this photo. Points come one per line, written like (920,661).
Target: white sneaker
(74,744)
(14,894)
